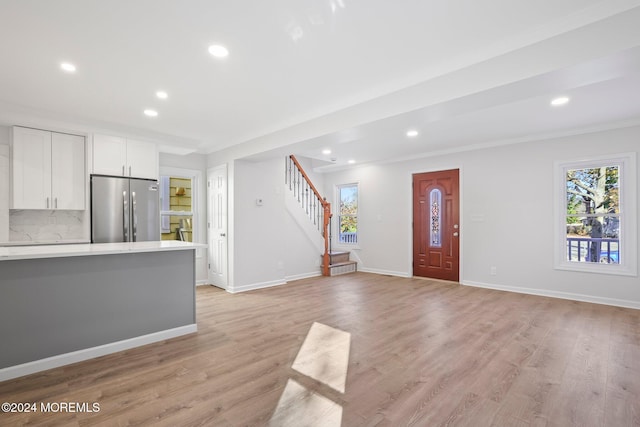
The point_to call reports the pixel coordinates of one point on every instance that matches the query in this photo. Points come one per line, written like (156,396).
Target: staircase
(339,263)
(318,210)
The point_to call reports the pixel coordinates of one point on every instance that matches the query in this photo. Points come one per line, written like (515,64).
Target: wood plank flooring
(422,353)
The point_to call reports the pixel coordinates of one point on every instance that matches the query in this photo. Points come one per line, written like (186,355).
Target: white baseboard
(556,294)
(93,352)
(254,286)
(202,282)
(269,284)
(384,272)
(303,276)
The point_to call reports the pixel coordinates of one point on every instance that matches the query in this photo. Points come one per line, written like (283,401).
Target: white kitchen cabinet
(68,175)
(142,159)
(48,170)
(109,155)
(118,156)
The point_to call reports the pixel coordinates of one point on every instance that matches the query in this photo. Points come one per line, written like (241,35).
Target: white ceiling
(303,75)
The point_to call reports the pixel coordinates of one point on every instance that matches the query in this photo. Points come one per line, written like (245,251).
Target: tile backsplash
(36,225)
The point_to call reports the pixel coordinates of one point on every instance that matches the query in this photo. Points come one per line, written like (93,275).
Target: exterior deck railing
(349,237)
(593,249)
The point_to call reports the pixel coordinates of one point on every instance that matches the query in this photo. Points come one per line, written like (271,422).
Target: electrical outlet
(494,271)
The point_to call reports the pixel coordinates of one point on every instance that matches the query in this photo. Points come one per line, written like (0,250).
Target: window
(596,215)
(179,204)
(348,213)
(176,212)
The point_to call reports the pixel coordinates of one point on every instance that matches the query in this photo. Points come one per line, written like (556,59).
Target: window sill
(608,269)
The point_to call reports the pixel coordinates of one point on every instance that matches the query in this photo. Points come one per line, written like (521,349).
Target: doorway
(217,225)
(436,229)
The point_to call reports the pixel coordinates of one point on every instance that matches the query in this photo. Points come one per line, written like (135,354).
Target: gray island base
(64,309)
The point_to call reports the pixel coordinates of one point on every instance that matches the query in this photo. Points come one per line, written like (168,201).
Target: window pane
(348,200)
(348,215)
(593,214)
(175,197)
(348,229)
(593,190)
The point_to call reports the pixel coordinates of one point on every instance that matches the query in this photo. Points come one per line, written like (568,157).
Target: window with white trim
(596,215)
(348,213)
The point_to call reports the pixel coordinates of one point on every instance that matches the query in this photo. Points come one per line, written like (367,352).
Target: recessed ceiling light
(162,94)
(412,133)
(326,151)
(218,51)
(151,113)
(68,67)
(351,162)
(559,101)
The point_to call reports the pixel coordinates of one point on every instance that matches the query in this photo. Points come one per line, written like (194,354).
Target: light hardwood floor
(421,353)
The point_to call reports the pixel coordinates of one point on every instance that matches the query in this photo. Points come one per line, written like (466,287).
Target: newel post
(325,227)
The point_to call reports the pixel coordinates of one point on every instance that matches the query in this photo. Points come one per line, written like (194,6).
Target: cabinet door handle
(129,170)
(56,202)
(122,170)
(47,203)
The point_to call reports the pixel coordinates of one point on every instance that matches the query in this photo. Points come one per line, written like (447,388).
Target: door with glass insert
(436,229)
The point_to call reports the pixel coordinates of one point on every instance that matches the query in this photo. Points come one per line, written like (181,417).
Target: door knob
(455,234)
(223,234)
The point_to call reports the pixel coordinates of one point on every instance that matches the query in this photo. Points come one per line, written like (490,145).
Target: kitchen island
(66,303)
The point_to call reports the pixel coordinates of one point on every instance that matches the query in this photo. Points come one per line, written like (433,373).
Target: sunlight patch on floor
(324,356)
(299,406)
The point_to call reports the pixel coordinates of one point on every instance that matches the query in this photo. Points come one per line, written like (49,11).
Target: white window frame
(337,215)
(628,245)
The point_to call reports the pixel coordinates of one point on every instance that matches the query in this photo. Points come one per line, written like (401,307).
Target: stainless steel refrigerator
(124,209)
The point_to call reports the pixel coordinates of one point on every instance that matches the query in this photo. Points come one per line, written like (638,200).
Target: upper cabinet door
(142,159)
(68,171)
(109,155)
(31,169)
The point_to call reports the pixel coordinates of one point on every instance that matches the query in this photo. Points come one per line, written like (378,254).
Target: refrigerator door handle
(135,216)
(125,216)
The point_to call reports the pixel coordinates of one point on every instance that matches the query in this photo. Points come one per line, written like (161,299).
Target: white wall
(507,216)
(268,246)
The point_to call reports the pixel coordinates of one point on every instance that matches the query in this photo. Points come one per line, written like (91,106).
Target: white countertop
(58,251)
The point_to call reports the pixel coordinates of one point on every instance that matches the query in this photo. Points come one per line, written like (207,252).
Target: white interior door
(217,225)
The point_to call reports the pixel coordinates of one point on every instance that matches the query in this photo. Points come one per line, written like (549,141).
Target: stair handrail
(326,217)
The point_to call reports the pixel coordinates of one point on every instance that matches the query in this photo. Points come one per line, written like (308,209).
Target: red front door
(436,230)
